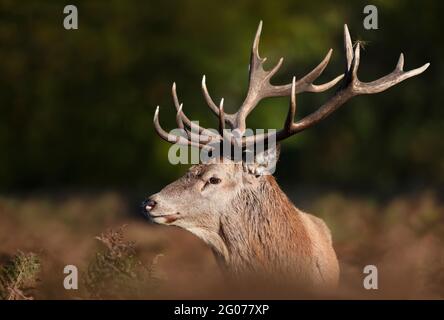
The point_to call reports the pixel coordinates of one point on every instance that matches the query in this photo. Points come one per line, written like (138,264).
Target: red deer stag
(240,212)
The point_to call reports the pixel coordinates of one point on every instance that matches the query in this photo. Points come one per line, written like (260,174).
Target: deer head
(235,207)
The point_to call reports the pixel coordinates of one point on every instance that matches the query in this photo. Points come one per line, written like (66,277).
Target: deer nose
(149,205)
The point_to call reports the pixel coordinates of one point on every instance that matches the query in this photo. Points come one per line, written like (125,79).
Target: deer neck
(254,229)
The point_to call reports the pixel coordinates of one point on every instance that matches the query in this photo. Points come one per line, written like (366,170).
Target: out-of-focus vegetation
(18,276)
(403,237)
(117,271)
(77,106)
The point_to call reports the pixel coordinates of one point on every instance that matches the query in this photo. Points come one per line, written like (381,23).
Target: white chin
(167,219)
(159,219)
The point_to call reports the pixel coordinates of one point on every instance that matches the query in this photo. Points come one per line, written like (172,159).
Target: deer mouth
(165,218)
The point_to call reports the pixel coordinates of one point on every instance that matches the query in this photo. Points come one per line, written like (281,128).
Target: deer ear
(264,162)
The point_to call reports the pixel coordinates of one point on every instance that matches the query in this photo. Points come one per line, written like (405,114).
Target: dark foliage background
(77,106)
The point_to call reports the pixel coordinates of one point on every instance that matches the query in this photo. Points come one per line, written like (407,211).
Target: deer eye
(214,180)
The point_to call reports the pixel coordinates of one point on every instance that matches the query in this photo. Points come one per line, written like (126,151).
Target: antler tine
(275,69)
(175,139)
(210,102)
(292,109)
(255,59)
(179,120)
(178,105)
(221,117)
(184,118)
(356,61)
(192,135)
(305,84)
(348,48)
(400,64)
(208,98)
(176,99)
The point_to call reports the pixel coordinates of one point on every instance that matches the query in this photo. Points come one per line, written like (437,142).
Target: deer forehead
(226,168)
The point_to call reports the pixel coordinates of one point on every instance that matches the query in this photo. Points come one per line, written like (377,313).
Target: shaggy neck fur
(255,233)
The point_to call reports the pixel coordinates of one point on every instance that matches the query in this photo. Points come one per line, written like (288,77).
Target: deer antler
(350,87)
(260,88)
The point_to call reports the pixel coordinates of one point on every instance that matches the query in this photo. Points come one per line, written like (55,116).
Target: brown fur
(271,236)
(251,225)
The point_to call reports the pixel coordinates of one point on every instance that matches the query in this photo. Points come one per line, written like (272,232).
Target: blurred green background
(77,106)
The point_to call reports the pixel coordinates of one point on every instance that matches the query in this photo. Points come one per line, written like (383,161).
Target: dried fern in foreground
(18,276)
(116,272)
